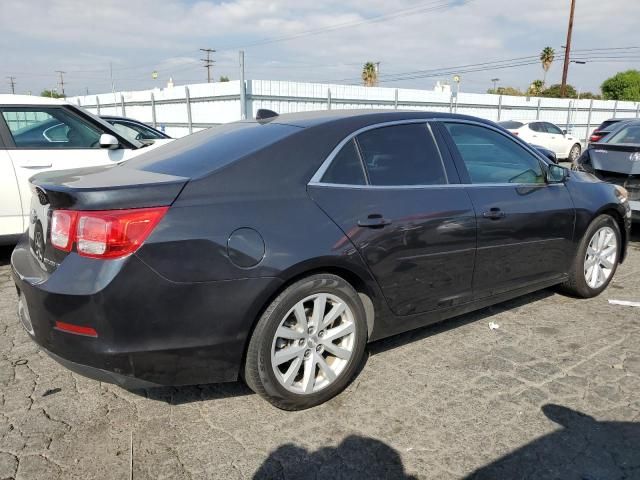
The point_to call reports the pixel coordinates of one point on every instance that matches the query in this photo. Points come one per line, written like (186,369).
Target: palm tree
(370,74)
(546,57)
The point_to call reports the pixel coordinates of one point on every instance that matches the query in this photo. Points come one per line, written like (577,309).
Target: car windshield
(629,134)
(510,124)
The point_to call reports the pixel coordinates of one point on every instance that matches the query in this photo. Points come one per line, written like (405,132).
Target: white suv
(39,134)
(547,135)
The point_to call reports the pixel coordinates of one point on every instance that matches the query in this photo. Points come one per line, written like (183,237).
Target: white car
(39,134)
(547,135)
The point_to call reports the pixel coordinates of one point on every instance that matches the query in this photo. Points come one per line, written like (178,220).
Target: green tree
(224,78)
(506,91)
(51,94)
(547,57)
(536,88)
(369,74)
(622,86)
(554,91)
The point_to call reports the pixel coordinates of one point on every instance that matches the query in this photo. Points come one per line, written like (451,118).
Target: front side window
(133,131)
(551,128)
(402,155)
(49,128)
(491,157)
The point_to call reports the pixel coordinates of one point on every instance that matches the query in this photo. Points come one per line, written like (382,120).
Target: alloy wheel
(574,153)
(313,343)
(600,258)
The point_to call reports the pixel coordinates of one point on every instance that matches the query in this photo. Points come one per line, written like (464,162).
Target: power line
(208,63)
(12,82)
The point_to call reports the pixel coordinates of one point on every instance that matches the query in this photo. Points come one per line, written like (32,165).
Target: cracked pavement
(552,393)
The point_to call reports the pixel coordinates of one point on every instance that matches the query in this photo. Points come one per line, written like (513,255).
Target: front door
(51,138)
(525,225)
(399,201)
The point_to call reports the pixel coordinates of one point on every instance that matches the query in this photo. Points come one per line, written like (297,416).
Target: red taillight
(62,225)
(105,233)
(595,137)
(77,329)
(516,133)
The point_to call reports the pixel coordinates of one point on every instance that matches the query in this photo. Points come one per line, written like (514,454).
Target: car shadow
(5,255)
(356,457)
(582,448)
(194,393)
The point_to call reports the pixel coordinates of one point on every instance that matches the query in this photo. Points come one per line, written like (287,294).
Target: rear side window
(538,127)
(491,157)
(346,167)
(510,124)
(402,155)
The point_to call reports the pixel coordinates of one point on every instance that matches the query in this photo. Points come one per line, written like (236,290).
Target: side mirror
(564,132)
(556,174)
(109,141)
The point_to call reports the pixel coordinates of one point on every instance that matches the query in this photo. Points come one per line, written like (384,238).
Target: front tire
(596,260)
(308,344)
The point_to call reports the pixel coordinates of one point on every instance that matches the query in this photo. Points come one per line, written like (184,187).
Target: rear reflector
(105,233)
(76,329)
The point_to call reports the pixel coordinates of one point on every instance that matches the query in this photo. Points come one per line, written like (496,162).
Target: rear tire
(574,153)
(596,260)
(308,344)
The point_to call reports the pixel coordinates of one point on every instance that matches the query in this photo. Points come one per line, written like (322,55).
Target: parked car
(40,134)
(605,128)
(616,159)
(547,135)
(546,152)
(274,250)
(136,130)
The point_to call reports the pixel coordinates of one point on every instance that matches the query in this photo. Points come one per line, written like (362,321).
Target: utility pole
(567,51)
(208,63)
(243,87)
(12,82)
(61,81)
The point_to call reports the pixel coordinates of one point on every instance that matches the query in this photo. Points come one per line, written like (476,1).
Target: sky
(417,42)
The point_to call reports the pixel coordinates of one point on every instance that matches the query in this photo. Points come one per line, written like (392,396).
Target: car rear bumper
(150,331)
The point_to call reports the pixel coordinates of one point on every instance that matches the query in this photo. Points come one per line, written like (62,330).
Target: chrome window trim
(441,185)
(316,180)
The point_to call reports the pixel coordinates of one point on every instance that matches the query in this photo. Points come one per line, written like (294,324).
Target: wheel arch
(619,218)
(359,278)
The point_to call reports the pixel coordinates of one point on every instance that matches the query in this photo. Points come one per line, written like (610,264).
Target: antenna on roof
(264,115)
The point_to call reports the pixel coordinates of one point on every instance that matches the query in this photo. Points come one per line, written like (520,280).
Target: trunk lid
(616,158)
(109,187)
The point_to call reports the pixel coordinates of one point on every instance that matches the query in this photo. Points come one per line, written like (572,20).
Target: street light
(495,83)
(579,62)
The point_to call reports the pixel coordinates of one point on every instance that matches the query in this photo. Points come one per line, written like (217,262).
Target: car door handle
(494,214)
(375,220)
(34,164)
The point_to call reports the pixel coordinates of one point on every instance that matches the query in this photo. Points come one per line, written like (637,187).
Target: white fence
(182,110)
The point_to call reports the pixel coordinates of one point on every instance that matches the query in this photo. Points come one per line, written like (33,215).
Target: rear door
(525,225)
(51,138)
(394,192)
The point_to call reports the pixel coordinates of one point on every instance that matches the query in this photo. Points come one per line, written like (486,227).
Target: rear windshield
(604,125)
(196,155)
(626,135)
(510,124)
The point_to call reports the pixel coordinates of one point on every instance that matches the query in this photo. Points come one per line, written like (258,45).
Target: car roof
(8,99)
(316,118)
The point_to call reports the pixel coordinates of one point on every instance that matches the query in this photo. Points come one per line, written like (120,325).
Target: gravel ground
(552,393)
